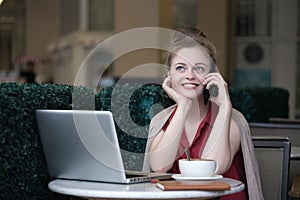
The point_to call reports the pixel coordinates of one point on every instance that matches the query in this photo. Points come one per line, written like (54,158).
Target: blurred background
(258,41)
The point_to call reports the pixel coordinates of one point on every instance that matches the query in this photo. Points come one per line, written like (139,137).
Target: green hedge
(268,102)
(23,171)
(258,104)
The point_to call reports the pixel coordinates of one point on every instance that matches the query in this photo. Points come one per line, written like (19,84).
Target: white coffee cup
(197,167)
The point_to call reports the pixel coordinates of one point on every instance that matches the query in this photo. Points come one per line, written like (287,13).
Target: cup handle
(216,167)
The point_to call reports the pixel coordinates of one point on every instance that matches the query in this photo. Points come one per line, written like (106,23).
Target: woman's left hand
(216,80)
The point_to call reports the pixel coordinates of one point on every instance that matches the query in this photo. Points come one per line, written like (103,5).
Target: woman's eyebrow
(200,63)
(180,63)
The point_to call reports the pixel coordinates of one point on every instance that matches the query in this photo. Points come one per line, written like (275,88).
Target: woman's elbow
(162,170)
(223,165)
(159,168)
(222,169)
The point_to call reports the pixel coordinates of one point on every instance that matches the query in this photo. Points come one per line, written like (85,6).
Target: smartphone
(213,91)
(206,95)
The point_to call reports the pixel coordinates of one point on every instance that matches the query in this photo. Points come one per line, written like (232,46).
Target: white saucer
(180,177)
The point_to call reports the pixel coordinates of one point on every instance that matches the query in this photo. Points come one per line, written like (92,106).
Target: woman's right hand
(177,97)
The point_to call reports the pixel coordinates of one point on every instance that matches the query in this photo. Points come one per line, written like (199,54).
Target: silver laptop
(83,145)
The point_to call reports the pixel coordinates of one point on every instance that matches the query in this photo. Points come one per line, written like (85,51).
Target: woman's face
(189,67)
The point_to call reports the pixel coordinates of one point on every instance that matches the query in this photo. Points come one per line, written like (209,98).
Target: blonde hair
(189,37)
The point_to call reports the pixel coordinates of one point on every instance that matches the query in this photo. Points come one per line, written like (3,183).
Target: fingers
(173,94)
(214,79)
(167,87)
(217,87)
(167,82)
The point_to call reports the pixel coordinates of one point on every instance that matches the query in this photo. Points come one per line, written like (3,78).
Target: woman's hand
(216,80)
(177,97)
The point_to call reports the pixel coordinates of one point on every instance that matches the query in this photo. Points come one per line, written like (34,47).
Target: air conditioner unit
(253,63)
(253,55)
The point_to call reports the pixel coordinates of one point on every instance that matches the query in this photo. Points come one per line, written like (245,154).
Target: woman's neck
(198,111)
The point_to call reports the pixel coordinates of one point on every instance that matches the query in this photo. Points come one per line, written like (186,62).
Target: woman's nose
(190,74)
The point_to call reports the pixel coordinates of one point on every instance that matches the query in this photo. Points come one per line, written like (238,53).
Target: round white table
(91,190)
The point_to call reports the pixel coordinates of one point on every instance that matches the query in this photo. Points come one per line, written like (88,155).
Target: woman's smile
(190,85)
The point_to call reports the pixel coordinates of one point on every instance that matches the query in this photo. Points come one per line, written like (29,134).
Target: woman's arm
(224,139)
(223,142)
(164,147)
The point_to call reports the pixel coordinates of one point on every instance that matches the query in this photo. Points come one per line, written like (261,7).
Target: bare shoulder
(161,115)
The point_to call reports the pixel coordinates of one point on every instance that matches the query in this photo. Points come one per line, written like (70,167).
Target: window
(101,15)
(185,12)
(96,15)
(12,37)
(252,42)
(253,18)
(69,15)
(178,13)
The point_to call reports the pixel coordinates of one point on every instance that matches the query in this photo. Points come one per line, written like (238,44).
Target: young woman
(198,121)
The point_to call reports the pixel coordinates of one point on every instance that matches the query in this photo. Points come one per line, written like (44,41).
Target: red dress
(236,170)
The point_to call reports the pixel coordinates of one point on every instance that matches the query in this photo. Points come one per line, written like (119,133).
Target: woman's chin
(191,94)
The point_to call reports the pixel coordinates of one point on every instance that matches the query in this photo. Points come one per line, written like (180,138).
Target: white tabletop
(133,191)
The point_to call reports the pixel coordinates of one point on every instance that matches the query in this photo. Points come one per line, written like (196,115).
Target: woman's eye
(199,69)
(180,68)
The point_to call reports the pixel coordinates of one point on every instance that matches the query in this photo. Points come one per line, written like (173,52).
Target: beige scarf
(250,161)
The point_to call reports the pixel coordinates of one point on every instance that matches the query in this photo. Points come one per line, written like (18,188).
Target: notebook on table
(83,145)
(214,185)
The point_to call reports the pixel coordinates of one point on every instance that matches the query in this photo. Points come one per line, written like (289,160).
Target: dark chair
(273,156)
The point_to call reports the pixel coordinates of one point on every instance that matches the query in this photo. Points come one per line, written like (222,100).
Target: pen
(154,180)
